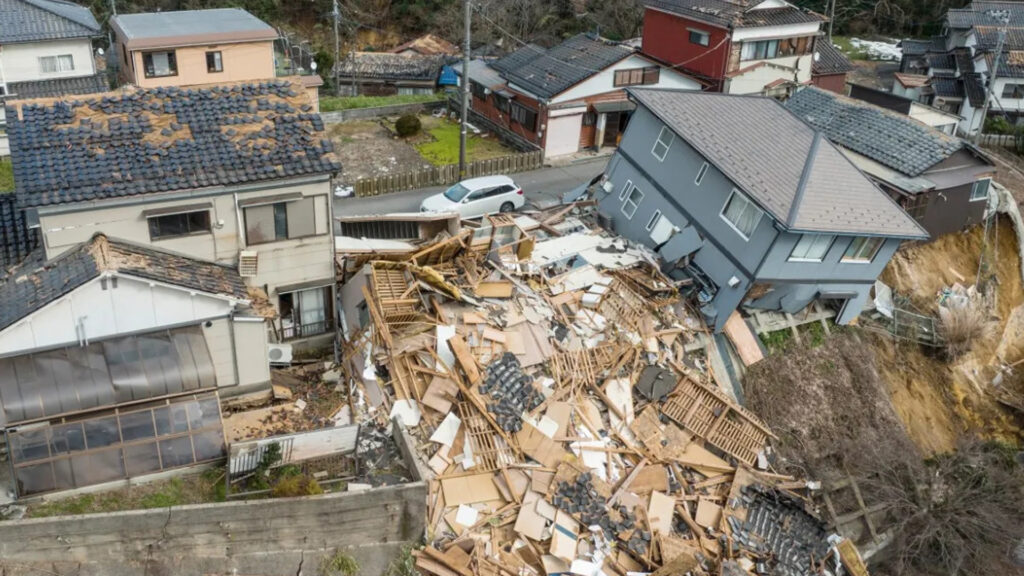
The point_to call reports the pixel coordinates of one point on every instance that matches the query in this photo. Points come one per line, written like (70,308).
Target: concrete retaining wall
(396,110)
(255,538)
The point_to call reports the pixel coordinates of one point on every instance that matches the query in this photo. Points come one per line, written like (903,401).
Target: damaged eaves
(549,372)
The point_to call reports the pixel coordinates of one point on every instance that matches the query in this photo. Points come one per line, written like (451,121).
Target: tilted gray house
(752,204)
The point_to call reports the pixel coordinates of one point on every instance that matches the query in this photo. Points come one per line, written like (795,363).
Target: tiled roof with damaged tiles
(1011,65)
(830,60)
(55,87)
(33,285)
(148,140)
(735,13)
(428,44)
(387,66)
(941,61)
(988,38)
(565,65)
(39,20)
(886,137)
(974,89)
(17,240)
(977,14)
(790,170)
(947,86)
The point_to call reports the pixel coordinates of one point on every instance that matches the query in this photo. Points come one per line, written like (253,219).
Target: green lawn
(335,103)
(444,149)
(852,53)
(6,175)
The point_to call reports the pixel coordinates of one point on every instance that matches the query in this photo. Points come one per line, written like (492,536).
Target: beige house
(195,47)
(235,174)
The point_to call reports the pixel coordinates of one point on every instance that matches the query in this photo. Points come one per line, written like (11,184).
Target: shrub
(340,564)
(408,125)
(961,327)
(296,485)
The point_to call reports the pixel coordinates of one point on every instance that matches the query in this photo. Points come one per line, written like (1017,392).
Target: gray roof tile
(974,89)
(38,20)
(888,138)
(735,13)
(190,23)
(947,86)
(149,140)
(59,87)
(555,70)
(830,60)
(34,284)
(387,66)
(765,150)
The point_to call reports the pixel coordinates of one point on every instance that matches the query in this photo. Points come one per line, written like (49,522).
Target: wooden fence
(448,174)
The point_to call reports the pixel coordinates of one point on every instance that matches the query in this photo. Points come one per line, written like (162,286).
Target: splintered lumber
(743,339)
(851,559)
(468,363)
(710,415)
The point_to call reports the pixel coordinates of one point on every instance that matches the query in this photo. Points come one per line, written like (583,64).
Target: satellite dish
(312,66)
(99,51)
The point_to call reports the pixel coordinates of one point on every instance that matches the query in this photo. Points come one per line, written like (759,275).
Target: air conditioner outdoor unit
(248,263)
(280,354)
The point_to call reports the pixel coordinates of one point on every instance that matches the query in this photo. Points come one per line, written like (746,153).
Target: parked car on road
(477,197)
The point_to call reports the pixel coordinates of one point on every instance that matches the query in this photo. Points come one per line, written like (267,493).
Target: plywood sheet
(496,289)
(743,338)
(470,489)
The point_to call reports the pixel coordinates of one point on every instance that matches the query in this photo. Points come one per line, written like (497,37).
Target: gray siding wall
(777,266)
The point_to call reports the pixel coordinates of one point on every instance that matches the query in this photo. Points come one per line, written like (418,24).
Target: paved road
(540,186)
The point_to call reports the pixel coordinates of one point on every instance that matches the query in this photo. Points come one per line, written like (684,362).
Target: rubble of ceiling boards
(548,372)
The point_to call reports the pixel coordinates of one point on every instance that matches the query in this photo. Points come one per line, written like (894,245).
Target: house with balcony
(953,71)
(737,46)
(940,180)
(568,97)
(237,174)
(46,50)
(749,205)
(196,47)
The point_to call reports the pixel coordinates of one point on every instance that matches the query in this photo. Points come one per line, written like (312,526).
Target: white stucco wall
(20,62)
(772,32)
(135,305)
(754,81)
(605,80)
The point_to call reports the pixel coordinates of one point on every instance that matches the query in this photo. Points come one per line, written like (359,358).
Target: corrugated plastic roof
(789,169)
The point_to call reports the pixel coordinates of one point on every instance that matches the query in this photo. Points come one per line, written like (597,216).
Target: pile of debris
(556,384)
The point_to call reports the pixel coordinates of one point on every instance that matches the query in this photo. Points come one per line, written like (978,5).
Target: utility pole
(465,89)
(831,18)
(337,48)
(1004,18)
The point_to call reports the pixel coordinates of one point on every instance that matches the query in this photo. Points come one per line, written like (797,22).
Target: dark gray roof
(912,47)
(793,172)
(964,60)
(941,61)
(830,60)
(189,23)
(387,66)
(32,285)
(976,14)
(59,87)
(565,65)
(974,89)
(947,86)
(896,141)
(37,20)
(162,139)
(517,59)
(17,240)
(881,98)
(735,13)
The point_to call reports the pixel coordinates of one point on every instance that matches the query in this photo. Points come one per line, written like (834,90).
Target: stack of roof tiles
(164,139)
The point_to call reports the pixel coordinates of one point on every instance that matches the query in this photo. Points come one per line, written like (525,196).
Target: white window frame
(635,204)
(974,187)
(659,142)
(701,173)
(625,190)
(827,238)
(57,60)
(847,259)
(750,205)
(653,221)
(702,34)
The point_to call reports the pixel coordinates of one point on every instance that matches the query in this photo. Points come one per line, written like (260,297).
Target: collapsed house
(563,406)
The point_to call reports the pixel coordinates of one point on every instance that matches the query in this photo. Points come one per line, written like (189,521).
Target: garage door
(563,135)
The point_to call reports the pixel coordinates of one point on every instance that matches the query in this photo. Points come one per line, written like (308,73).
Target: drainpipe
(234,350)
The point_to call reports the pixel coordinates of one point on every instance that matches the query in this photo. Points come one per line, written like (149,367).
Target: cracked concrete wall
(287,536)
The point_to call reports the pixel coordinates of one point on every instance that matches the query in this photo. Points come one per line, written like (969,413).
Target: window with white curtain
(311,306)
(741,213)
(862,250)
(54,64)
(811,248)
